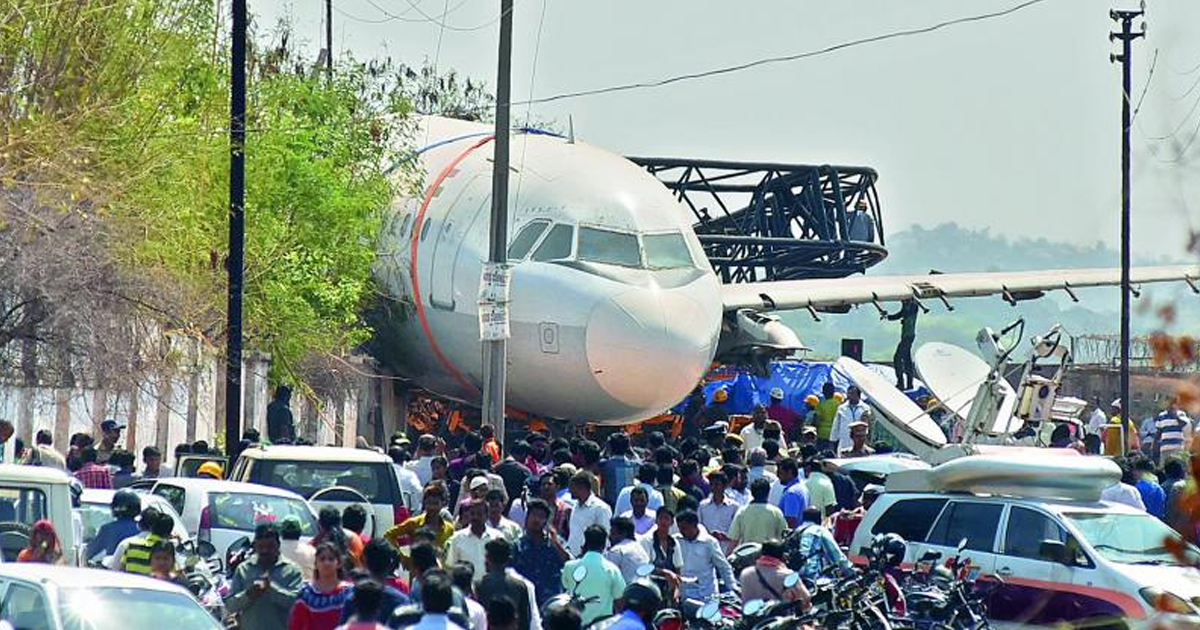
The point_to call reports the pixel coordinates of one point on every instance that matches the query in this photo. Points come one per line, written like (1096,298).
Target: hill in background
(950,248)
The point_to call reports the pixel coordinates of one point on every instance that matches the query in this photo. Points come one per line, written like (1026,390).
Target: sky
(1011,124)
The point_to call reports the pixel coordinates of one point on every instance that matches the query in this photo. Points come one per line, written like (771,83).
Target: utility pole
(1126,36)
(493,307)
(237,229)
(329,41)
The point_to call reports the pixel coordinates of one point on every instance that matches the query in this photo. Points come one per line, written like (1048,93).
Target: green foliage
(138,105)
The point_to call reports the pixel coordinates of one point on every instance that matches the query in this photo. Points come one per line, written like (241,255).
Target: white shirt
(846,414)
(423,468)
(628,555)
(465,546)
(740,497)
(476,614)
(410,488)
(1125,494)
(435,621)
(623,499)
(302,554)
(1097,420)
(594,511)
(760,472)
(752,438)
(718,517)
(643,524)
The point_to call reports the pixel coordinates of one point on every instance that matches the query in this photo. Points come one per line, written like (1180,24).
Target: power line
(1189,90)
(413,5)
(784,58)
(1182,122)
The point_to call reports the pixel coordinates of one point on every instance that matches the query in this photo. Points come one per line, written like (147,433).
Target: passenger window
(520,246)
(1026,531)
(556,245)
(977,522)
(25,608)
(425,229)
(173,494)
(667,251)
(606,246)
(910,519)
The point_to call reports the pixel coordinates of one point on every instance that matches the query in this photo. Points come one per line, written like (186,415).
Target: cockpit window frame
(533,252)
(641,264)
(692,264)
(546,224)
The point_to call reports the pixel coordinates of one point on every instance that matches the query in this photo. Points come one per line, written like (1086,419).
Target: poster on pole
(494,282)
(493,321)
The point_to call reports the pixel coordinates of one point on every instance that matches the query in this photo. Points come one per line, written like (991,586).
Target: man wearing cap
(851,411)
(787,417)
(715,411)
(752,434)
(110,432)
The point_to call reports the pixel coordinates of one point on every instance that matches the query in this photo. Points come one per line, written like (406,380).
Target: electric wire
(537,46)
(425,17)
(784,58)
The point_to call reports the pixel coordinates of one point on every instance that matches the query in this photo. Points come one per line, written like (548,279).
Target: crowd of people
(497,535)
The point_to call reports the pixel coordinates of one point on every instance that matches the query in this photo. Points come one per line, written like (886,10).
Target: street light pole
(1126,58)
(494,351)
(237,229)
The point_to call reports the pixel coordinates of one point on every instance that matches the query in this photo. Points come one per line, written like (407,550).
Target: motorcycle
(946,597)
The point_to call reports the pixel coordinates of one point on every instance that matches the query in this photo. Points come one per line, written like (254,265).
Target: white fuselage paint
(589,341)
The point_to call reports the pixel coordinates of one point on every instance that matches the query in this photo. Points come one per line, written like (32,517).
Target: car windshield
(109,608)
(1125,538)
(606,246)
(244,512)
(667,251)
(374,480)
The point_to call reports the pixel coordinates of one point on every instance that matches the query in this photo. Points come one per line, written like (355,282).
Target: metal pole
(329,41)
(494,352)
(1126,36)
(237,229)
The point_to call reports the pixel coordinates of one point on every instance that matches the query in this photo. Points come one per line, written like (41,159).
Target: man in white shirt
(588,510)
(853,410)
(1097,420)
(642,518)
(422,466)
(716,514)
(647,474)
(467,544)
(624,550)
(752,434)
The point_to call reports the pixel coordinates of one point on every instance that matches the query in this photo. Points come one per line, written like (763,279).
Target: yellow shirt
(1112,437)
(398,534)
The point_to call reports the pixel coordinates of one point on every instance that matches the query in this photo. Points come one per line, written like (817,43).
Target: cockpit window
(556,245)
(520,246)
(605,246)
(667,251)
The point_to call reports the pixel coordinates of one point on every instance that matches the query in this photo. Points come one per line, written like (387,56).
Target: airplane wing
(839,293)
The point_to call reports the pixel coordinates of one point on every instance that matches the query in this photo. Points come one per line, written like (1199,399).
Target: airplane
(615,313)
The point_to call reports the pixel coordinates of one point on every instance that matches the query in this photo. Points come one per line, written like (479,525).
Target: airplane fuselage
(615,312)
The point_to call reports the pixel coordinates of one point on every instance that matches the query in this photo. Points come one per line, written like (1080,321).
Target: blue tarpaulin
(797,379)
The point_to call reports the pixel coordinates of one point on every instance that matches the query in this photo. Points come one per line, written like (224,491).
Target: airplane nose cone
(647,348)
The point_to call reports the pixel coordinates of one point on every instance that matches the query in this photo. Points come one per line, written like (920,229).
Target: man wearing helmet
(715,411)
(210,470)
(642,600)
(126,505)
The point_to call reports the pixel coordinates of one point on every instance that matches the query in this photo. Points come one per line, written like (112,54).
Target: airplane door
(450,236)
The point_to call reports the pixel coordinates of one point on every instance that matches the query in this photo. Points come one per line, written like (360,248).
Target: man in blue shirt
(642,601)
(126,505)
(620,469)
(540,555)
(795,493)
(1153,496)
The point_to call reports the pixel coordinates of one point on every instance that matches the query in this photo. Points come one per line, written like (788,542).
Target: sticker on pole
(494,282)
(493,321)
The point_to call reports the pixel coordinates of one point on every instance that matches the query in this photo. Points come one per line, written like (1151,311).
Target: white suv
(1078,561)
(330,475)
(29,494)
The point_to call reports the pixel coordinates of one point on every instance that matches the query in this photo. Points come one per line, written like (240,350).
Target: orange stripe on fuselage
(447,171)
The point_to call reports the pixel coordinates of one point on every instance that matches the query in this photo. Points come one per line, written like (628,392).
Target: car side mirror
(1053,551)
(206,549)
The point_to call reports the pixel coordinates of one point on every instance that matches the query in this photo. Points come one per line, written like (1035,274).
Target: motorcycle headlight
(1165,601)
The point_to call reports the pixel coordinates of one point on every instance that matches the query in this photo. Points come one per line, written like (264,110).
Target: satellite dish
(954,375)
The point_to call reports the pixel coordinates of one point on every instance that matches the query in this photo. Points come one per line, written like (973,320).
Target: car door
(1032,587)
(24,606)
(976,521)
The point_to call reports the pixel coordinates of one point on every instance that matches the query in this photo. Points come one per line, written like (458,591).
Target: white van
(32,493)
(322,475)
(1072,560)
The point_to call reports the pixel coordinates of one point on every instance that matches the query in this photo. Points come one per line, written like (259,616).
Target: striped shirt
(1170,428)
